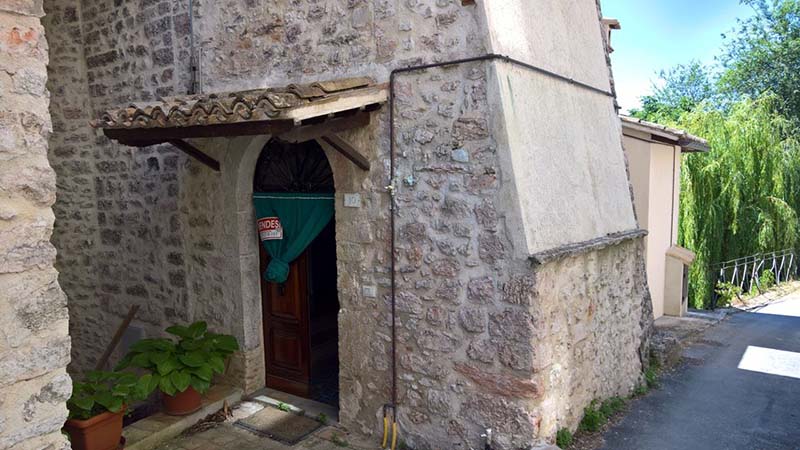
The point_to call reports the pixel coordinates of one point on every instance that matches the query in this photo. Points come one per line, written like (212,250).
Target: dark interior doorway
(300,316)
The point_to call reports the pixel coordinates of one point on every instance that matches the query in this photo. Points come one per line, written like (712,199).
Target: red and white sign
(270,229)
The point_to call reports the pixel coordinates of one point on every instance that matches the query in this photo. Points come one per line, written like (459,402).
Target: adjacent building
(654,164)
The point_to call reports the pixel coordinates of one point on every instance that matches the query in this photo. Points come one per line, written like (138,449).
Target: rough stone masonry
(495,164)
(34,345)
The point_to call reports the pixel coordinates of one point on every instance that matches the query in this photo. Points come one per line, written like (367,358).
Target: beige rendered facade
(654,163)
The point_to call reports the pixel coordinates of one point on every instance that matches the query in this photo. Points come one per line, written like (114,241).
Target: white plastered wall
(638,153)
(655,177)
(661,218)
(564,140)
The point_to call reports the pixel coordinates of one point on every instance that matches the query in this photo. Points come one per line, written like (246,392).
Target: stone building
(478,140)
(34,344)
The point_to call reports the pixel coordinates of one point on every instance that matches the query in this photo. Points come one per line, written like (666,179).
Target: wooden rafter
(347,150)
(325,127)
(143,137)
(195,153)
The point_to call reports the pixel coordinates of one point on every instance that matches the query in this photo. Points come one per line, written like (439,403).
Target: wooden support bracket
(349,152)
(195,153)
(307,132)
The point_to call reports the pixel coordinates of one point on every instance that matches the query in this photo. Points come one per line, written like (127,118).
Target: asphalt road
(738,390)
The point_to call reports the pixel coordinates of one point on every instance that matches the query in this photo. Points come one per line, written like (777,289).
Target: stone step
(149,432)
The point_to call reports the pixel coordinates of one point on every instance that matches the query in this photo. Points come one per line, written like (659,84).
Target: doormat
(281,426)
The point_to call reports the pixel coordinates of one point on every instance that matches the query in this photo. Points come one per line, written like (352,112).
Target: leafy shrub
(563,438)
(107,391)
(766,279)
(727,292)
(192,361)
(593,418)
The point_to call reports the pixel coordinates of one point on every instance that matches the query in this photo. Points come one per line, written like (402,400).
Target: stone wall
(153,228)
(34,345)
(118,229)
(135,225)
(592,313)
(464,335)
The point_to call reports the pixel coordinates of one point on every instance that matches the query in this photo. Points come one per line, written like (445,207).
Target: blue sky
(658,34)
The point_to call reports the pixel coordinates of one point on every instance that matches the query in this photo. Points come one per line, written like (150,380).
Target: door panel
(286,338)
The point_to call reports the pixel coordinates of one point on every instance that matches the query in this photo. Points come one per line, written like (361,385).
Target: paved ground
(227,436)
(738,390)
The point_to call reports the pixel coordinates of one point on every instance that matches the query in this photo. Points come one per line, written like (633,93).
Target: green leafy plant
(727,292)
(107,391)
(563,438)
(651,377)
(191,361)
(322,418)
(766,279)
(593,418)
(639,390)
(283,407)
(611,406)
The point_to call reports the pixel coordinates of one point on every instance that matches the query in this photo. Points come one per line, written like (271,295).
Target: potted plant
(182,370)
(97,405)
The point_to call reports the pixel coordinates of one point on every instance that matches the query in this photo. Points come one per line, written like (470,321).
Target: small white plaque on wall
(352,200)
(370,291)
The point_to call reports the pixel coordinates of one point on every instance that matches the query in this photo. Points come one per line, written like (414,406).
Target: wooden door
(286,336)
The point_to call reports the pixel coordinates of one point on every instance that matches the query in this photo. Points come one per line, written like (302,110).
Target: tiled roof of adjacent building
(688,142)
(293,102)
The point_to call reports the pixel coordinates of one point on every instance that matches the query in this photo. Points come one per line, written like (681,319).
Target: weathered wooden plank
(347,150)
(141,137)
(308,132)
(195,153)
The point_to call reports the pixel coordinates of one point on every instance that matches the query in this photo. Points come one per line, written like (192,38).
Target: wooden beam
(376,95)
(142,137)
(117,337)
(195,153)
(309,132)
(347,150)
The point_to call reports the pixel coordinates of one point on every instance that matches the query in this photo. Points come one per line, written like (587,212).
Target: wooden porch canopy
(296,113)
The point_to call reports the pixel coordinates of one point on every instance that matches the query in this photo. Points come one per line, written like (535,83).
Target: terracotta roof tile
(296,101)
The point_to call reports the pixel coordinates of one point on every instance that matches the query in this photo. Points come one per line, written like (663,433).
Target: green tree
(680,89)
(743,196)
(763,55)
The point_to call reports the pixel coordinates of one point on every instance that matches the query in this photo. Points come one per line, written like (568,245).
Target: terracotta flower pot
(182,403)
(101,432)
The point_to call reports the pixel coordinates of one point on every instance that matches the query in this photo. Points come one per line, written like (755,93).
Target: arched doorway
(300,315)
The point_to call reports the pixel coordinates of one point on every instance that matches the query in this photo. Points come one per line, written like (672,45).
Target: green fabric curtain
(287,224)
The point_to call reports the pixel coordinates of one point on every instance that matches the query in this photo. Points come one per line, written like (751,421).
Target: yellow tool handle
(385,431)
(394,434)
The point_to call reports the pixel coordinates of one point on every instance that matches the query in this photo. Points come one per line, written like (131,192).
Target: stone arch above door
(239,157)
